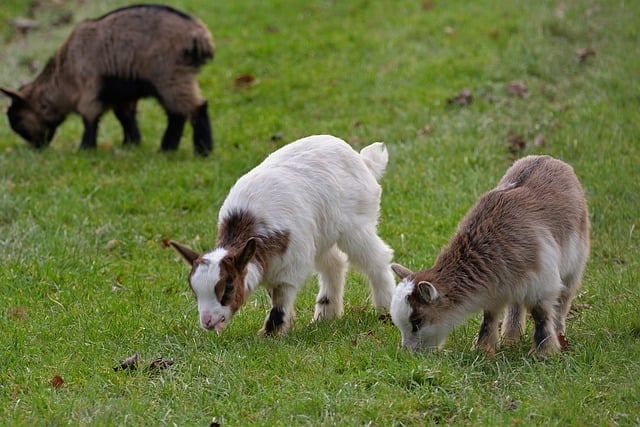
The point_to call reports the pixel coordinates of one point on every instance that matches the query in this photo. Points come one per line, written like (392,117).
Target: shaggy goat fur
(307,207)
(111,62)
(523,245)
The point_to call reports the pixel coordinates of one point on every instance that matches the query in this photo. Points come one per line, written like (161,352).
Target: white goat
(304,207)
(523,245)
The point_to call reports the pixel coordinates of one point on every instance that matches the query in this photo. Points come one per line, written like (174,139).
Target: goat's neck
(253,278)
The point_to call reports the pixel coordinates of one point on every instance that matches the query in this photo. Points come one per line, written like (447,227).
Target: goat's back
(547,191)
(537,211)
(317,187)
(139,41)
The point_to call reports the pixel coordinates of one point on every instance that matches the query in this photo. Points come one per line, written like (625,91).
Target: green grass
(86,281)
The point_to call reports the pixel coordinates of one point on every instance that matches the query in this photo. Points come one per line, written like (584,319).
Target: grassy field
(85,280)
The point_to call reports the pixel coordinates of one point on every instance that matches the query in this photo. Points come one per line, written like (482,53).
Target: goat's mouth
(219,325)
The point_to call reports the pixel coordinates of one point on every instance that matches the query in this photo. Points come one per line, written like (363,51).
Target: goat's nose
(207,321)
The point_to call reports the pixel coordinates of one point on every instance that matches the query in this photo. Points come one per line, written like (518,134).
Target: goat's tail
(376,157)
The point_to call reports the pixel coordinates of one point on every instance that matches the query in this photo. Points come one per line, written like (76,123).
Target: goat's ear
(14,95)
(187,253)
(401,271)
(428,292)
(247,254)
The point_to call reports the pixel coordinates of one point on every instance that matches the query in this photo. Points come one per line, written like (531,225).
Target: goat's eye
(415,324)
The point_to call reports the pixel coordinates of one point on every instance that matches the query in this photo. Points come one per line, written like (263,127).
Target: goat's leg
(369,254)
(571,284)
(202,137)
(545,340)
(173,133)
(90,133)
(126,115)
(279,319)
(332,267)
(488,335)
(513,323)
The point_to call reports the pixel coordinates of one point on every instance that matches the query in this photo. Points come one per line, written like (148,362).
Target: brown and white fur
(308,206)
(109,63)
(523,245)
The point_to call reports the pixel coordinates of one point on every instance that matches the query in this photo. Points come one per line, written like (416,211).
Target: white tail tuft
(376,157)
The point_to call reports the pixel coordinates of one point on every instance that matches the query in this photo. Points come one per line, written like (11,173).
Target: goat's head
(33,119)
(217,281)
(417,310)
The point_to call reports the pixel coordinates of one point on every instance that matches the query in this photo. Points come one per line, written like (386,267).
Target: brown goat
(523,245)
(110,63)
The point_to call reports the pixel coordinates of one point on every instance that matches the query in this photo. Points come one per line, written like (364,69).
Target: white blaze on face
(401,312)
(213,315)
(419,336)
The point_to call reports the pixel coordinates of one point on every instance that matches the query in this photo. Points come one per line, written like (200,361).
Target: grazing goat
(523,245)
(111,62)
(308,206)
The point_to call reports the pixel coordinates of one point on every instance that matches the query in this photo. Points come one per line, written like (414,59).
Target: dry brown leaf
(517,88)
(16,390)
(516,143)
(584,53)
(57,381)
(17,313)
(427,5)
(463,98)
(425,130)
(511,404)
(244,81)
(111,244)
(160,364)
(130,363)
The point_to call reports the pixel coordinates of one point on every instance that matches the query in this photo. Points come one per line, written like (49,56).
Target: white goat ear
(247,254)
(401,271)
(428,292)
(187,253)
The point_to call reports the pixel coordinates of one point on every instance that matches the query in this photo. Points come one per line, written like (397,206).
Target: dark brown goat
(110,63)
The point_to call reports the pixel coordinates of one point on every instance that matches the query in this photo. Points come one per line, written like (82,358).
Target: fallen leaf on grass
(244,81)
(425,130)
(160,364)
(385,317)
(57,381)
(165,243)
(463,98)
(14,394)
(584,53)
(133,363)
(578,307)
(516,143)
(427,5)
(517,88)
(111,244)
(511,404)
(17,313)
(130,363)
